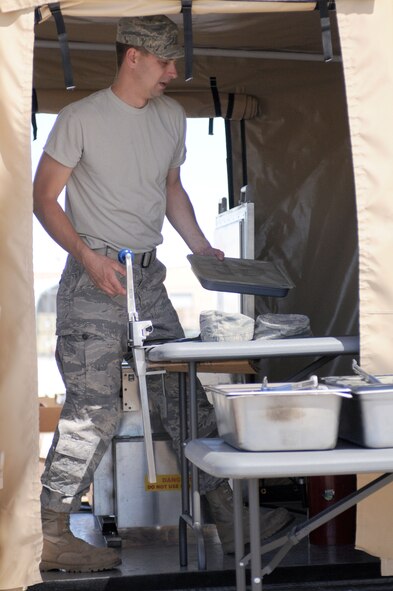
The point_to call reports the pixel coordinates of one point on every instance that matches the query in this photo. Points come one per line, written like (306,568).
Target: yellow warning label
(164,482)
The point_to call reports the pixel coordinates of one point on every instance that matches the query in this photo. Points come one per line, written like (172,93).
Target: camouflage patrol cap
(156,34)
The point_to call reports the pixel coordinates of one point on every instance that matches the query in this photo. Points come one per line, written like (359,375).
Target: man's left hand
(211,252)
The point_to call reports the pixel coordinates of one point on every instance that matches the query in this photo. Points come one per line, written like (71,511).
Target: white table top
(224,461)
(207,351)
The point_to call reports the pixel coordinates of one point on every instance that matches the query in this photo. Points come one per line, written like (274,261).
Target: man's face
(154,74)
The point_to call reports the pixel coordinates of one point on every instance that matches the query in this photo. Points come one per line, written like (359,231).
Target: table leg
(184,472)
(192,376)
(239,535)
(255,534)
(195,495)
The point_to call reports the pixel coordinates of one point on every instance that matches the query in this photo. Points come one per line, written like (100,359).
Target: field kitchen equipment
(137,483)
(367,417)
(244,276)
(278,417)
(234,234)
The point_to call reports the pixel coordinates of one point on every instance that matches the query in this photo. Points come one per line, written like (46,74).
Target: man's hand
(103,271)
(51,177)
(211,252)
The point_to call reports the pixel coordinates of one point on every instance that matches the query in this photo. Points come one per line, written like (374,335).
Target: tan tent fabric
(197,104)
(300,170)
(1,469)
(200,104)
(235,7)
(138,7)
(374,533)
(367,47)
(20,526)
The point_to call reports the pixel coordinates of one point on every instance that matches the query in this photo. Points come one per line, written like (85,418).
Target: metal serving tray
(252,419)
(367,417)
(245,276)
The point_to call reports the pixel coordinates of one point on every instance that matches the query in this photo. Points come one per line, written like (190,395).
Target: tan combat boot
(63,551)
(221,507)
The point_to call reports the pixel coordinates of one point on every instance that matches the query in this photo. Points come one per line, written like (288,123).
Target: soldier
(118,152)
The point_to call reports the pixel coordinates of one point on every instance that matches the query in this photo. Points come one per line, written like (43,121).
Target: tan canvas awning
(119,8)
(197,104)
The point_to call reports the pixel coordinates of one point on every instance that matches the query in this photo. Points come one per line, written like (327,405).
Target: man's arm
(180,213)
(50,179)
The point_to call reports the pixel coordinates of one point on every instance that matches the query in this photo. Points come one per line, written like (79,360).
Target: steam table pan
(367,417)
(252,419)
(245,276)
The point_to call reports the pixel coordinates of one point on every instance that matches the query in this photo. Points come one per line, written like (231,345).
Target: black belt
(143,259)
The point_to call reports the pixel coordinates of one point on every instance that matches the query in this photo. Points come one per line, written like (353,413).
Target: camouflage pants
(92,342)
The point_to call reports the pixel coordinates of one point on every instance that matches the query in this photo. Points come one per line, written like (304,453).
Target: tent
(306,92)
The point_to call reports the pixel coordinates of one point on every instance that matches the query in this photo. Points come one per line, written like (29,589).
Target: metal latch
(130,390)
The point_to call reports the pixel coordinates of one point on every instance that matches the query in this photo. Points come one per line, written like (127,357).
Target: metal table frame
(221,460)
(194,352)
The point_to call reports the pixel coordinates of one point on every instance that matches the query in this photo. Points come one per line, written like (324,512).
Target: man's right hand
(104,271)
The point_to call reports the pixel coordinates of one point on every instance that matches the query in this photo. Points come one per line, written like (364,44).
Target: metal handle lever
(140,370)
(126,257)
(370,379)
(310,384)
(137,333)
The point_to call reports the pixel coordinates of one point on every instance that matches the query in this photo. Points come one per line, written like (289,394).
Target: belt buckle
(146,259)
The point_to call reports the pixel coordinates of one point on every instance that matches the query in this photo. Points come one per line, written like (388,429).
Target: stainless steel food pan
(255,420)
(367,417)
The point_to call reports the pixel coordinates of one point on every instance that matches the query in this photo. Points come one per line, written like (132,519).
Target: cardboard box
(49,413)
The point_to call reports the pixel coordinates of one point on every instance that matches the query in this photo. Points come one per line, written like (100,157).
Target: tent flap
(20,523)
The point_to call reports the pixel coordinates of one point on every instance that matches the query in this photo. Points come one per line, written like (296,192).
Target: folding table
(194,352)
(216,457)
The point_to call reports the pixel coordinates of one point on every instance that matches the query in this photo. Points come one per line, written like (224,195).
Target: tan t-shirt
(120,156)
